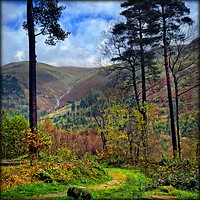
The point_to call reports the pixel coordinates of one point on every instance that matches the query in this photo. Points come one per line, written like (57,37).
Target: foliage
(123,130)
(82,141)
(65,170)
(17,137)
(12,94)
(14,133)
(182,175)
(43,11)
(169,192)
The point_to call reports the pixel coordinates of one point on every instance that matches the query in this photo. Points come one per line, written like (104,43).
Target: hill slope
(54,85)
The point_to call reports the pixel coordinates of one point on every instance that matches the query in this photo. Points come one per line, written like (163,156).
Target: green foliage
(16,136)
(12,94)
(181,175)
(189,124)
(68,167)
(14,133)
(74,119)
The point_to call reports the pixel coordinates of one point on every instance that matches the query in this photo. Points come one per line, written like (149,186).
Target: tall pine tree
(131,44)
(45,14)
(172,14)
(142,29)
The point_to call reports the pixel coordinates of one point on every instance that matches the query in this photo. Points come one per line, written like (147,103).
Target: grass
(33,190)
(131,183)
(122,184)
(178,194)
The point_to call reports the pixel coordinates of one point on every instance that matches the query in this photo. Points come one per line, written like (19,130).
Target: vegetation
(118,142)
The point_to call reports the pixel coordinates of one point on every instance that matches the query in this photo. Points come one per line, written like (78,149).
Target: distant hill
(56,86)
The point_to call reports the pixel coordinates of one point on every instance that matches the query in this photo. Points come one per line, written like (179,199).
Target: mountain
(56,86)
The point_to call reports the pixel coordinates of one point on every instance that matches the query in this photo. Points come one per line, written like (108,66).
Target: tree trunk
(103,140)
(32,78)
(177,119)
(173,130)
(144,98)
(130,137)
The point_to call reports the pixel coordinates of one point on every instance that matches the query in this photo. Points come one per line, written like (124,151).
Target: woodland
(135,136)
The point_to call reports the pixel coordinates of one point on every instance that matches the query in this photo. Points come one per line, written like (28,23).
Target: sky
(86,21)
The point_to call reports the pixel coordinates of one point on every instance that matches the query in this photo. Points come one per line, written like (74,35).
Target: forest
(133,134)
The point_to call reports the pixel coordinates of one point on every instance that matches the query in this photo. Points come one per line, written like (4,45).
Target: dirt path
(117,181)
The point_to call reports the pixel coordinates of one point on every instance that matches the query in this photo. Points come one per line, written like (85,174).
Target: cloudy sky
(84,20)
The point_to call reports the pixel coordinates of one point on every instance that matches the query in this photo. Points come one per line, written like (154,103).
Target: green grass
(180,194)
(125,184)
(132,185)
(33,190)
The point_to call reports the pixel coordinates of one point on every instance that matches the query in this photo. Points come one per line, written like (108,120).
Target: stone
(166,189)
(44,176)
(79,192)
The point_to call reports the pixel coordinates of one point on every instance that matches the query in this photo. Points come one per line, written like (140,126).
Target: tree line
(133,45)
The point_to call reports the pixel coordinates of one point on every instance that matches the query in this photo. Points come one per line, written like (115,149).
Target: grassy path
(106,190)
(125,184)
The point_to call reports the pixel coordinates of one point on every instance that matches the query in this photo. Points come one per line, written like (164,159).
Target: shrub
(182,175)
(14,131)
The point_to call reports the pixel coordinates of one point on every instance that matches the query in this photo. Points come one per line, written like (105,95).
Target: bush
(14,131)
(181,175)
(16,136)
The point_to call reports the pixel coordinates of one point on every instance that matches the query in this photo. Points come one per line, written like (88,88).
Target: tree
(131,43)
(183,61)
(73,107)
(45,14)
(96,106)
(172,16)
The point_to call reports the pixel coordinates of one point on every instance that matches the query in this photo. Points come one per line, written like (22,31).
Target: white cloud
(85,20)
(20,55)
(13,41)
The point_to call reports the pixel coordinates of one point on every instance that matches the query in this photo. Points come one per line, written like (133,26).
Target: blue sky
(85,20)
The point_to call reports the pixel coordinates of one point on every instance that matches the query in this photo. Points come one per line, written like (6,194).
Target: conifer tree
(172,14)
(45,14)
(134,40)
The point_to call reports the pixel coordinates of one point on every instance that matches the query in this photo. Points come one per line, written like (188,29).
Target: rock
(166,189)
(79,192)
(44,176)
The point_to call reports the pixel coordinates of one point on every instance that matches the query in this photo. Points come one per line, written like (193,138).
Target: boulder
(166,189)
(79,192)
(44,176)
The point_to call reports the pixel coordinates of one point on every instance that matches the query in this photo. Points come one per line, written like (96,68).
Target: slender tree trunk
(144,98)
(32,77)
(177,119)
(103,140)
(135,87)
(130,137)
(173,130)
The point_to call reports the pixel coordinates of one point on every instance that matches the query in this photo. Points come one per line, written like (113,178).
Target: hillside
(57,87)
(54,85)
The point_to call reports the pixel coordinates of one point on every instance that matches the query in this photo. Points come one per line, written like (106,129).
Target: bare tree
(183,62)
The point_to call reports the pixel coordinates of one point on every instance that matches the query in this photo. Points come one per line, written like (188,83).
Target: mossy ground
(125,184)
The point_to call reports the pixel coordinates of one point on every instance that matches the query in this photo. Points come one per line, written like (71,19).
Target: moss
(166,189)
(79,192)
